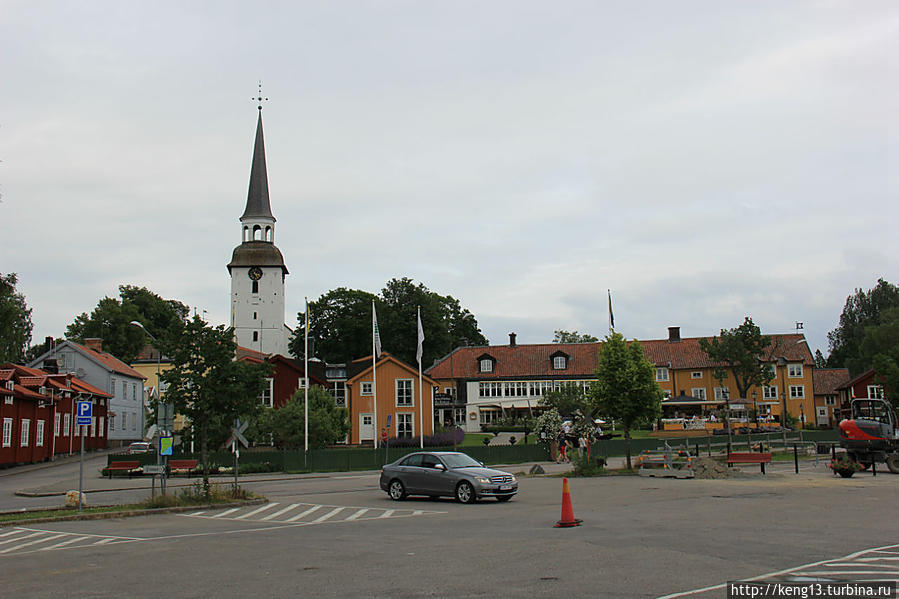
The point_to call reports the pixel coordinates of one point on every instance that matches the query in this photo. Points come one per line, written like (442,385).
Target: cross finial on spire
(260,98)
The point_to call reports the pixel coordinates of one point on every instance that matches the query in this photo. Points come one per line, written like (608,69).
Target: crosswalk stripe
(104,541)
(34,534)
(64,543)
(306,513)
(12,532)
(281,511)
(359,513)
(225,513)
(36,541)
(387,514)
(328,515)
(257,510)
(196,513)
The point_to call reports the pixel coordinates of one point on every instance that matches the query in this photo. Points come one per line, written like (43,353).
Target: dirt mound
(709,468)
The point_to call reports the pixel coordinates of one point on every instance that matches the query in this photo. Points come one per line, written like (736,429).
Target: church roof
(257,198)
(257,253)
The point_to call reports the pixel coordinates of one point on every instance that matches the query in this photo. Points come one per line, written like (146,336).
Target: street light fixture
(158,400)
(782,361)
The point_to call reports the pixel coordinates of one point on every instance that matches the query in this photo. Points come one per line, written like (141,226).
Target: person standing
(581,446)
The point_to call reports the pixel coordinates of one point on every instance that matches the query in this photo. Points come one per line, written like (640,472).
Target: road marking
(12,532)
(328,515)
(387,514)
(36,541)
(64,543)
(257,510)
(281,511)
(221,514)
(19,538)
(306,513)
(359,513)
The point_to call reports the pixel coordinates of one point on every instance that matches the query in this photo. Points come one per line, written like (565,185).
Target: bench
(189,465)
(124,466)
(749,458)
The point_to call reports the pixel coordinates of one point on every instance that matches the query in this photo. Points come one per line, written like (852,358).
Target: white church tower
(257,268)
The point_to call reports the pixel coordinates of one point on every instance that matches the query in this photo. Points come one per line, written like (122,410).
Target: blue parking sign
(85,411)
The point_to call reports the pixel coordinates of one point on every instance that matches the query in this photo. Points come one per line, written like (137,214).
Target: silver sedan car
(446,473)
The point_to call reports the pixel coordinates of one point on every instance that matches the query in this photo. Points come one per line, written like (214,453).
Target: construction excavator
(871,434)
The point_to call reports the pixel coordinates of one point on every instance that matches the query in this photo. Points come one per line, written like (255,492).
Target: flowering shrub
(844,463)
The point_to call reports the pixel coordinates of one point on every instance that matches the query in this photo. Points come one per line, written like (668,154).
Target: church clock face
(255,273)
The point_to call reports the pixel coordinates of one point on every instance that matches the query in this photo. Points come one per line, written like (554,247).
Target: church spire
(258,205)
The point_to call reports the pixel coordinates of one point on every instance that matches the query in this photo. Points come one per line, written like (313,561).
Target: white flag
(375,332)
(421,337)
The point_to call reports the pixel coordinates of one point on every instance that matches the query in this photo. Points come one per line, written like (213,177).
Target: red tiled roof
(58,380)
(534,360)
(245,352)
(79,385)
(827,380)
(6,374)
(110,361)
(32,381)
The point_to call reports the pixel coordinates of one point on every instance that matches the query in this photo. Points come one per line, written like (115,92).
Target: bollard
(873,466)
(709,440)
(796,458)
(833,451)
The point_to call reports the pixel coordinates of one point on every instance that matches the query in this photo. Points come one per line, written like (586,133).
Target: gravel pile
(709,468)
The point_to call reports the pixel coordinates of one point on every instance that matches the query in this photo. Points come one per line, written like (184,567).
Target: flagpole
(306,381)
(611,315)
(374,373)
(421,405)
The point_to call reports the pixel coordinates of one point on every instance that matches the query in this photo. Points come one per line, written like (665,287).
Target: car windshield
(460,460)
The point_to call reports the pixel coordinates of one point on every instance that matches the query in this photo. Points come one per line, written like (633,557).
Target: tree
(820,360)
(880,346)
(744,353)
(569,400)
(328,423)
(340,322)
(15,321)
(563,336)
(625,387)
(207,385)
(863,309)
(111,321)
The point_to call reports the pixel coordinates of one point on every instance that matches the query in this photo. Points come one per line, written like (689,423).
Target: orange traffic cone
(568,518)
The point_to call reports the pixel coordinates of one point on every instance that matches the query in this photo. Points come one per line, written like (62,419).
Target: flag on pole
(375,331)
(611,315)
(421,338)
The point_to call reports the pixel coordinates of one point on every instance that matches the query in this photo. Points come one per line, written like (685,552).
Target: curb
(132,513)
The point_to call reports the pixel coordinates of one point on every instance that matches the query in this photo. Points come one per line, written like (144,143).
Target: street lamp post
(782,361)
(755,408)
(159,461)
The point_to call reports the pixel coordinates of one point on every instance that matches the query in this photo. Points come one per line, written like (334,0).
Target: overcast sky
(703,160)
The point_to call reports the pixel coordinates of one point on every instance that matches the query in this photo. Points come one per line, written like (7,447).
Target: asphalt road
(342,537)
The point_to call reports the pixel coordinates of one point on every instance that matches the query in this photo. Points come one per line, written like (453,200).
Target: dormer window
(10,385)
(486,363)
(559,360)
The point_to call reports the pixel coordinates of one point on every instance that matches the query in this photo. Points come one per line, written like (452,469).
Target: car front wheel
(465,492)
(396,490)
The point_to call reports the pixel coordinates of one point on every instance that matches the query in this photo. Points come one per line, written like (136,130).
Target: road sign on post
(84,413)
(234,441)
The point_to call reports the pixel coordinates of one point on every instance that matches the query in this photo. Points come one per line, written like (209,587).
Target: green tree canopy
(340,322)
(15,321)
(568,400)
(625,387)
(207,385)
(563,336)
(862,309)
(285,426)
(880,346)
(110,321)
(744,353)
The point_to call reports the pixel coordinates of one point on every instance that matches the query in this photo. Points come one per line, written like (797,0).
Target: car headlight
(514,480)
(483,480)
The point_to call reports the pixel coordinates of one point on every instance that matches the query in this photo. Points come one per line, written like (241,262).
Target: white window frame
(560,363)
(338,391)
(794,370)
(111,422)
(56,424)
(722,393)
(662,374)
(365,388)
(797,391)
(875,391)
(102,430)
(39,434)
(66,424)
(9,400)
(486,365)
(112,383)
(830,400)
(268,395)
(7,432)
(698,393)
(696,374)
(411,390)
(25,430)
(93,430)
(401,426)
(134,421)
(769,392)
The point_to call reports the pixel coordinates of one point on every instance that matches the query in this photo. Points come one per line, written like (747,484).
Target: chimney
(94,344)
(512,339)
(673,334)
(48,343)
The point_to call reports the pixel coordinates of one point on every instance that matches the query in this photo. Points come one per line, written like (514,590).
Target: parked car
(448,474)
(140,448)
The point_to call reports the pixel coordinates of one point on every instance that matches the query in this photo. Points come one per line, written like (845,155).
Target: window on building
(66,424)
(339,393)
(124,421)
(112,383)
(134,391)
(268,392)
(830,400)
(134,421)
(538,388)
(489,415)
(7,432)
(26,428)
(93,430)
(797,391)
(560,363)
(255,335)
(698,392)
(696,374)
(769,392)
(486,365)
(111,422)
(365,388)
(102,425)
(794,371)
(8,400)
(39,434)
(490,389)
(255,286)
(56,425)
(661,374)
(722,393)
(404,425)
(404,393)
(875,391)
(451,391)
